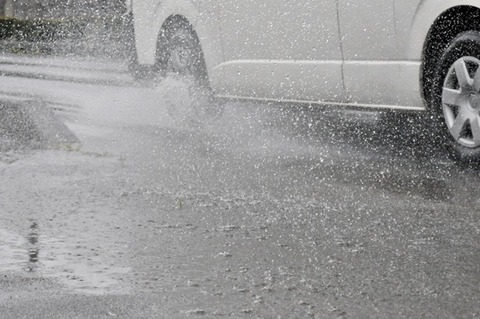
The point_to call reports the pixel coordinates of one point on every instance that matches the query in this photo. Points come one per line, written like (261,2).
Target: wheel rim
(461,101)
(179,60)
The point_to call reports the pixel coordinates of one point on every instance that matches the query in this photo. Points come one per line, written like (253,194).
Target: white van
(407,55)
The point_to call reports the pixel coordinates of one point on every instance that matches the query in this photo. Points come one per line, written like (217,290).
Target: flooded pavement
(267,212)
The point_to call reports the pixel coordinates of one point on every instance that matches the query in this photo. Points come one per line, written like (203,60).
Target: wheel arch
(435,25)
(151,17)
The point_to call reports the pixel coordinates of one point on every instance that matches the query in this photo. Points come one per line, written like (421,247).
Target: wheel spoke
(462,73)
(476,80)
(458,125)
(451,96)
(475,125)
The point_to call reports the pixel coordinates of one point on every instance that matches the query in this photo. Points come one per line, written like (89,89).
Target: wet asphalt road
(267,212)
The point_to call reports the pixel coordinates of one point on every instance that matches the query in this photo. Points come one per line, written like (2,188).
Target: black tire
(460,143)
(180,57)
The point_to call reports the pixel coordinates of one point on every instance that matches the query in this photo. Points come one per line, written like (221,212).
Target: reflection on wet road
(33,247)
(267,212)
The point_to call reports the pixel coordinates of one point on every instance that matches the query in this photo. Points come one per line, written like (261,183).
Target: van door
(375,71)
(281,50)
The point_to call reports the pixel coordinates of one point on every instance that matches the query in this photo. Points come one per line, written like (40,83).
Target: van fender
(427,12)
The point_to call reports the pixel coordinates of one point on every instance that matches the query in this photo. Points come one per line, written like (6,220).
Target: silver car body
(355,53)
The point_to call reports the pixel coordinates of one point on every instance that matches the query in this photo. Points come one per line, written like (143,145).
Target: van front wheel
(456,97)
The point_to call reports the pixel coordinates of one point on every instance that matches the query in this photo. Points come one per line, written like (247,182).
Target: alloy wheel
(461,101)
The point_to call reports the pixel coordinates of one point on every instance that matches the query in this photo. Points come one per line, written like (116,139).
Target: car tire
(455,102)
(181,61)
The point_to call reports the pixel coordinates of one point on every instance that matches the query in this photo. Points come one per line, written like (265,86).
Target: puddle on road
(12,251)
(33,247)
(54,258)
(84,275)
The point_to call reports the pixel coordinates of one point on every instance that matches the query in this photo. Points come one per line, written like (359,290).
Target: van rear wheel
(182,65)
